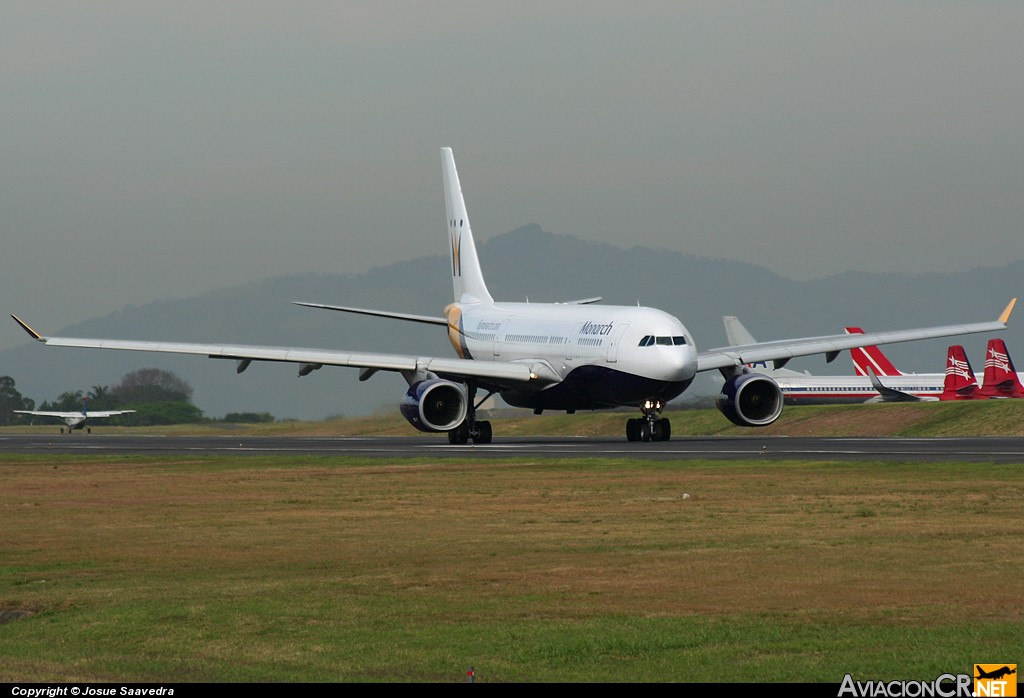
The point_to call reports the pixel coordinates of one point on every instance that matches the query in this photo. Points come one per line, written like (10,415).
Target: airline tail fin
(736,334)
(872,359)
(960,383)
(467,279)
(1001,379)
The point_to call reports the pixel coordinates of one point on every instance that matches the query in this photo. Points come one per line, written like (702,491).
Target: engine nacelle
(435,405)
(751,400)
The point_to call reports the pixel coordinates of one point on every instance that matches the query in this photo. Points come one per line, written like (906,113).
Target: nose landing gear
(650,427)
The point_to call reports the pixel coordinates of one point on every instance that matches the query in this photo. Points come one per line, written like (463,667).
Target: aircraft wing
(782,351)
(65,415)
(503,373)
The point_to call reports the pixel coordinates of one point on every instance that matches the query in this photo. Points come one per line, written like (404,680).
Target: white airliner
(76,420)
(549,356)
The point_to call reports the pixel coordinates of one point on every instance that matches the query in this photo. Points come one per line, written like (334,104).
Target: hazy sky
(163,149)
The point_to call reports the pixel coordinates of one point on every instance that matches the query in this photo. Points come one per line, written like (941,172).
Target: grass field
(320,569)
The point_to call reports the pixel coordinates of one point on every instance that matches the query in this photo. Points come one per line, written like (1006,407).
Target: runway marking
(754,449)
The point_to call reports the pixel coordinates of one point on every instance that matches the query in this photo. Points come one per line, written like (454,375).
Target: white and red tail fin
(960,381)
(1001,378)
(865,358)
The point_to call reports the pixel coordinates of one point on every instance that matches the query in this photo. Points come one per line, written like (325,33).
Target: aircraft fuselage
(605,356)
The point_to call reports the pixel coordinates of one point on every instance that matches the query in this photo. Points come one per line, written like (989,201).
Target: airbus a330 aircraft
(548,356)
(76,420)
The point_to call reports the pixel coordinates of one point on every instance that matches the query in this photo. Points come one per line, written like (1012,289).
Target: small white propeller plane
(548,356)
(76,420)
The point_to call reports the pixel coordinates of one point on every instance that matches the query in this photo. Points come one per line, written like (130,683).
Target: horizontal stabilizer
(582,301)
(409,317)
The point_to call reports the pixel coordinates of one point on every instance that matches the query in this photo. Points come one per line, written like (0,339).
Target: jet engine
(750,400)
(434,405)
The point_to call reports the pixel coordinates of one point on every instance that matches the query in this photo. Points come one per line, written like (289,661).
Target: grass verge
(321,569)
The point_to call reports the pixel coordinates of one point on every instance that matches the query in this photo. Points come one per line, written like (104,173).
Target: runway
(979,449)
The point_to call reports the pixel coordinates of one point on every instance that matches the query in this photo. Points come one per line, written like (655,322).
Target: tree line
(157,396)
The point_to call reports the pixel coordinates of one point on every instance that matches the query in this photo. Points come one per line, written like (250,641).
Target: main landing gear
(479,432)
(650,427)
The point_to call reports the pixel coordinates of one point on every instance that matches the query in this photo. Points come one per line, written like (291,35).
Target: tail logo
(957,367)
(997,359)
(456,238)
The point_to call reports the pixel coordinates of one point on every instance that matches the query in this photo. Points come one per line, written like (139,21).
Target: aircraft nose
(680,364)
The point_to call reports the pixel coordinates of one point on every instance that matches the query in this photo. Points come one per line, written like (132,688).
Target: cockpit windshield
(652,340)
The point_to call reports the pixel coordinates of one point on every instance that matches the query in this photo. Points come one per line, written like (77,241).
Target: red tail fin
(870,357)
(1001,378)
(960,381)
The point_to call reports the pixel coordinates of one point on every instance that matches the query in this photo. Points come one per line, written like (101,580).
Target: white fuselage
(807,389)
(76,421)
(604,355)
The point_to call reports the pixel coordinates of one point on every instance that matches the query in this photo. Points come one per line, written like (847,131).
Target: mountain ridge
(526,263)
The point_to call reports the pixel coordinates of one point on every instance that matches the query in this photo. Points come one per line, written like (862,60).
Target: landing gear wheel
(459,435)
(650,427)
(479,432)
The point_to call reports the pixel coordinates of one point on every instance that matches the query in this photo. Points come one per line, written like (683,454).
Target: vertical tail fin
(467,279)
(1001,378)
(736,334)
(865,358)
(960,382)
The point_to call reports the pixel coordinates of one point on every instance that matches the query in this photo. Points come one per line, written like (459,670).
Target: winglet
(32,333)
(875,383)
(1004,318)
